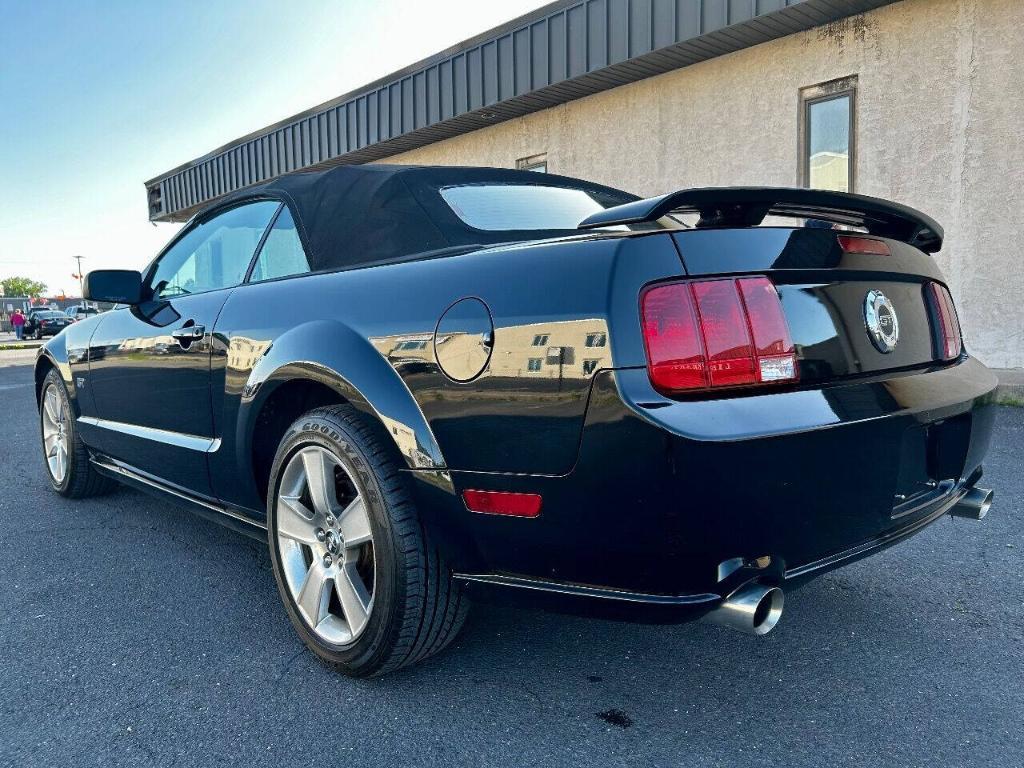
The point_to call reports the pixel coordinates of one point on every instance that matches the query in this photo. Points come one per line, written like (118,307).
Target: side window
(214,254)
(281,254)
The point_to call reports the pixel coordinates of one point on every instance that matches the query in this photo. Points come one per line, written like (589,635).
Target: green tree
(22,286)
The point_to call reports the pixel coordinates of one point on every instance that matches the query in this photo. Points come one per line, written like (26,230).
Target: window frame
(263,240)
(843,87)
(533,163)
(149,273)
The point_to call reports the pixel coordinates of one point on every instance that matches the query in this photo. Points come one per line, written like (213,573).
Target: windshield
(495,207)
(50,315)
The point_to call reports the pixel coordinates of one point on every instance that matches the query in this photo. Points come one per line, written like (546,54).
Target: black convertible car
(424,384)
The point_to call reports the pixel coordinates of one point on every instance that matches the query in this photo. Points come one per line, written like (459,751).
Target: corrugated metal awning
(558,53)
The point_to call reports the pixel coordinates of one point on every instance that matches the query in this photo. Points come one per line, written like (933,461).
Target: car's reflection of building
(244,353)
(535,351)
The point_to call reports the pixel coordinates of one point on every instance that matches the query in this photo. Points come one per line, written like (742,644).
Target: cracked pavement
(133,633)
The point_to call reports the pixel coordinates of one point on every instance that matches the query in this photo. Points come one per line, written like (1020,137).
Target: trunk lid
(824,292)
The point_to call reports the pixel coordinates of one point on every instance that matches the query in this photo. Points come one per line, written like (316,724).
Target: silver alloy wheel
(326,545)
(55,433)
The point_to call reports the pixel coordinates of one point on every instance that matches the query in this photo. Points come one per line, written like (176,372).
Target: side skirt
(581,590)
(583,600)
(229,518)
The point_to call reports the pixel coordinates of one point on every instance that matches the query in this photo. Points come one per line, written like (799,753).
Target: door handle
(189,333)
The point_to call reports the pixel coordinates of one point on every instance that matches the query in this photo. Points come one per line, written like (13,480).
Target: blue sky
(98,97)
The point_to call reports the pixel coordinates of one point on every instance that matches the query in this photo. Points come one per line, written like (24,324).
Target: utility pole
(80,276)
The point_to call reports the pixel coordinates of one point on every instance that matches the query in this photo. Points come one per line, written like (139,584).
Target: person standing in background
(18,321)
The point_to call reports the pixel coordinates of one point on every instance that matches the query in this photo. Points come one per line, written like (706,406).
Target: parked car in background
(423,384)
(45,322)
(81,312)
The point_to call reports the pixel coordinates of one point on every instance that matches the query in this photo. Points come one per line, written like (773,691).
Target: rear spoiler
(748,206)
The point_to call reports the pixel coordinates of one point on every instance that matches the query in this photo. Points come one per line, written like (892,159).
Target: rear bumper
(790,483)
(659,608)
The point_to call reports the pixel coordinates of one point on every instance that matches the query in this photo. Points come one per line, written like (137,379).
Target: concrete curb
(1011,386)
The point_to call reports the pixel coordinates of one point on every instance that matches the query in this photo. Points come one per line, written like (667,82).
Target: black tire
(80,479)
(418,608)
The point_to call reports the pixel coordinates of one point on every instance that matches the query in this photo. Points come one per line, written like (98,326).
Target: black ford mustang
(420,383)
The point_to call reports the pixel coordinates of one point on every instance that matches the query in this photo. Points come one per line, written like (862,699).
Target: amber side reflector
(502,503)
(855,244)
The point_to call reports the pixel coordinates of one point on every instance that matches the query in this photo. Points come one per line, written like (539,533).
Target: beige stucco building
(920,101)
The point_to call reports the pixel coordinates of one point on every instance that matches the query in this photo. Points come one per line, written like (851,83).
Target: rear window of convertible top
(520,206)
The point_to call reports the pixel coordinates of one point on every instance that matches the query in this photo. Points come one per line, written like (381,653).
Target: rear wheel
(66,457)
(362,583)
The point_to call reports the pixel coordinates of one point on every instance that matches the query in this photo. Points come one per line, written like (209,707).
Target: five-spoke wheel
(55,432)
(326,544)
(67,459)
(363,583)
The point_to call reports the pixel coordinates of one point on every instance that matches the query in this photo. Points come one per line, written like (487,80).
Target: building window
(534,363)
(828,135)
(538,163)
(589,366)
(411,345)
(540,339)
(597,339)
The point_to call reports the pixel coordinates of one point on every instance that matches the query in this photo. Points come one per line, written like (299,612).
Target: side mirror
(118,286)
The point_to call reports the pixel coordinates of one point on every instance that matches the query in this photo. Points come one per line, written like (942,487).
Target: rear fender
(332,354)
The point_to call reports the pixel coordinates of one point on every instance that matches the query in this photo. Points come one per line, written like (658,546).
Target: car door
(247,330)
(149,365)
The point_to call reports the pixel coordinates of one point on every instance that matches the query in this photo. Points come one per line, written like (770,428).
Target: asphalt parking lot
(132,633)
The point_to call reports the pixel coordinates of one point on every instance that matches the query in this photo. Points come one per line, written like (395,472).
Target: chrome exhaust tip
(974,505)
(753,608)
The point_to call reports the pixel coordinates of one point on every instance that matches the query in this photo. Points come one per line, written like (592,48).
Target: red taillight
(773,347)
(949,341)
(716,333)
(857,244)
(502,503)
(727,341)
(675,349)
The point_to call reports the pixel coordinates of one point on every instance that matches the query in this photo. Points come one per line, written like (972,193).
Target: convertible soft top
(357,215)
